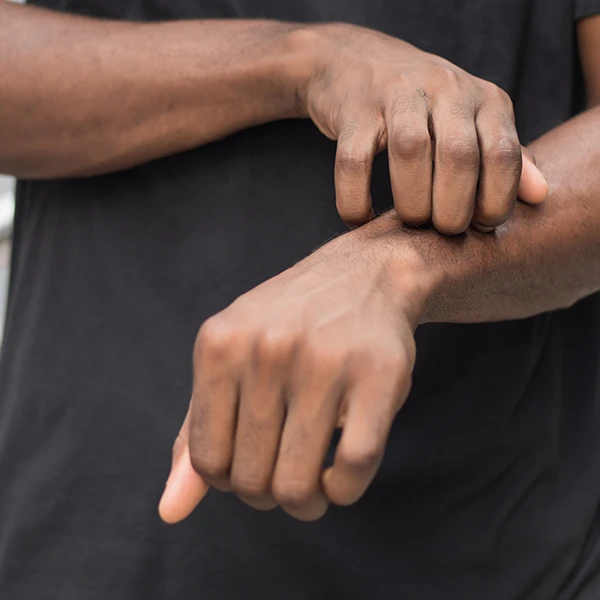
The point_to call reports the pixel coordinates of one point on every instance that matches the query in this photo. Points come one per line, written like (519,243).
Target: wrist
(311,48)
(412,277)
(412,282)
(380,251)
(299,65)
(272,67)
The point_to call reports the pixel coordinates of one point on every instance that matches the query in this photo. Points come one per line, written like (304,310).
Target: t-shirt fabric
(490,486)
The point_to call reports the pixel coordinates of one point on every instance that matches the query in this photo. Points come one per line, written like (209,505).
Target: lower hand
(328,343)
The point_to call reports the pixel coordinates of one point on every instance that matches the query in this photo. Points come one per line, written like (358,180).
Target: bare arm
(330,341)
(546,257)
(343,319)
(81,96)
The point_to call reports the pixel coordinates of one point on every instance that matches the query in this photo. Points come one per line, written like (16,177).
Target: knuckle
(363,457)
(410,143)
(208,464)
(448,74)
(505,153)
(216,337)
(352,159)
(274,346)
(461,152)
(249,485)
(393,365)
(498,94)
(293,494)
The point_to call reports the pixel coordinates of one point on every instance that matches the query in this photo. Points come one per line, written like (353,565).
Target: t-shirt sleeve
(586,8)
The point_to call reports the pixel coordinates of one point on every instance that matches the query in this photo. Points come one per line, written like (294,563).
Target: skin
(260,420)
(330,342)
(425,111)
(134,92)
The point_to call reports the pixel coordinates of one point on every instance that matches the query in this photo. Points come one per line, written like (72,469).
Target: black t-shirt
(490,487)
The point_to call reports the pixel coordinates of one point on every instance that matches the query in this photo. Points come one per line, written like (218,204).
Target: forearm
(544,258)
(80,96)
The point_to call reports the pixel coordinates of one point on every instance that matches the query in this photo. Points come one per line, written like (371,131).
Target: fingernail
(482,228)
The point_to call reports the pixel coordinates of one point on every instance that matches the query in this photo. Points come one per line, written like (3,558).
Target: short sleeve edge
(586,8)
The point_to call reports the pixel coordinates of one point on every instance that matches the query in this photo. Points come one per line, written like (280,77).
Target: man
(488,487)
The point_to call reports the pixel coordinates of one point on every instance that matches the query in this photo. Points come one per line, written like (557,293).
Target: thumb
(533,188)
(185,488)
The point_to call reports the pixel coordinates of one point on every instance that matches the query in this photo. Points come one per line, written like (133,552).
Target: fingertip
(337,489)
(165,508)
(166,513)
(533,188)
(180,499)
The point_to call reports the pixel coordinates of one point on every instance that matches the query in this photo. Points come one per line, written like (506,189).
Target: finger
(456,170)
(500,169)
(309,426)
(185,488)
(356,149)
(215,401)
(260,420)
(410,160)
(533,187)
(373,403)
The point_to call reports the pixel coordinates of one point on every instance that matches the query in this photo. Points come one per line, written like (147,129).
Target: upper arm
(588,34)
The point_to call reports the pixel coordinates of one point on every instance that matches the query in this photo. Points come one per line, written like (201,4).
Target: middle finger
(456,169)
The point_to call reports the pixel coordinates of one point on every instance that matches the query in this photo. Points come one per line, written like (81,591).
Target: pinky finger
(361,447)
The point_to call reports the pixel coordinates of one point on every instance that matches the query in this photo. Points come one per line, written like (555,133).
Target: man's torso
(489,487)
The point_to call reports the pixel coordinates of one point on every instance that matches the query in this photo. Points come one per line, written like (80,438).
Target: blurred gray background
(6,215)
